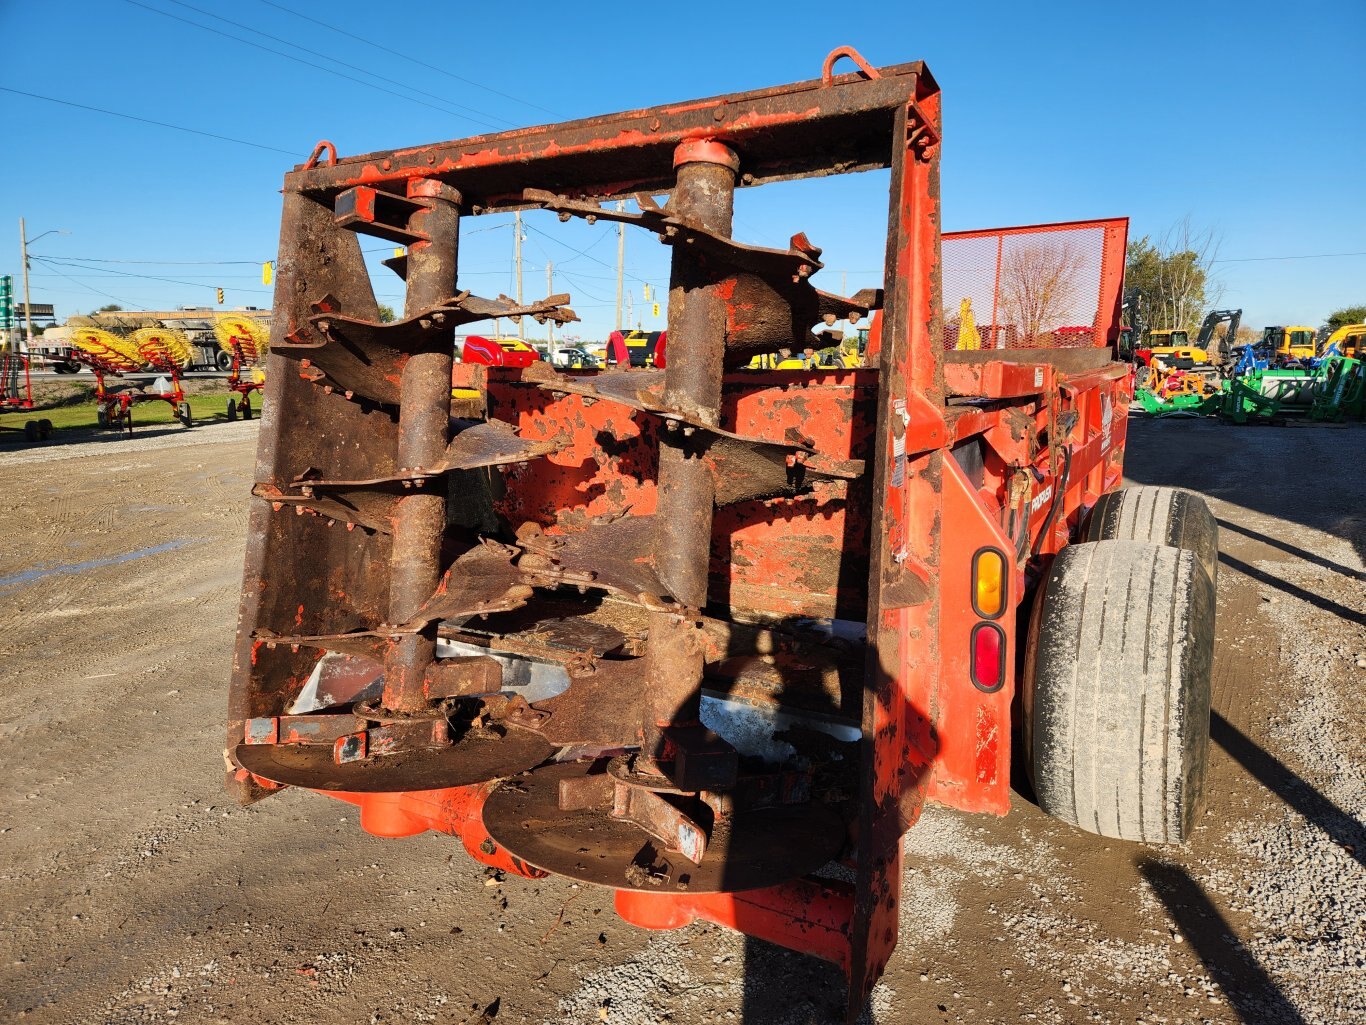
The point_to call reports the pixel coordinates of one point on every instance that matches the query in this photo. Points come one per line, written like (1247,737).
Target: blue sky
(1249,117)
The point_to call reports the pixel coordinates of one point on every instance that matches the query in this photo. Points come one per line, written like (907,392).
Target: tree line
(1172,273)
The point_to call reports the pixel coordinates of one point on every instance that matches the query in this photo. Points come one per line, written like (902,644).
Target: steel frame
(1047,432)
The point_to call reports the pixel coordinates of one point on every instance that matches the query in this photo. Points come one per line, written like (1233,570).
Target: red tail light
(988,656)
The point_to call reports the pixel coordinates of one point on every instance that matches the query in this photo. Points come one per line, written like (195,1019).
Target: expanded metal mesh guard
(1037,286)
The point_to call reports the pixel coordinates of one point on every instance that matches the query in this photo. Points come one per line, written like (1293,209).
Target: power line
(335,60)
(581,252)
(308,64)
(149,121)
(407,57)
(215,279)
(153,263)
(90,288)
(574,281)
(1261,259)
(53,264)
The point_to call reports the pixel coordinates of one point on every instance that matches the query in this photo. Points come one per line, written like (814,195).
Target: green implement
(1330,392)
(1342,395)
(1177,405)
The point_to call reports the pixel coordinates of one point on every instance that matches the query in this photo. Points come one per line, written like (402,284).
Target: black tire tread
(1164,516)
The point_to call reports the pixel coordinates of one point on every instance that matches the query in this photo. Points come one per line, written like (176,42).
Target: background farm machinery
(691,632)
(1262,382)
(1253,389)
(16,395)
(112,356)
(247,341)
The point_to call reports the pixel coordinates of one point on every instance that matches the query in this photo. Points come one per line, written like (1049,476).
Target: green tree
(386,314)
(1173,275)
(1343,317)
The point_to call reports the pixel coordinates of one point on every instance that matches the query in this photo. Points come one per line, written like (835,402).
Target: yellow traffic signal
(656,309)
(220,297)
(267,273)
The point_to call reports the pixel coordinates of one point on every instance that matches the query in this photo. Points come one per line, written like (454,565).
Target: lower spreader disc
(756,848)
(473,759)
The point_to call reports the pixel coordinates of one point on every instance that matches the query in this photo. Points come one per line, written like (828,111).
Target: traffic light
(220,297)
(655,310)
(267,273)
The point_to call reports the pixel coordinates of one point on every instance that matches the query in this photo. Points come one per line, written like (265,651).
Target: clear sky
(1250,117)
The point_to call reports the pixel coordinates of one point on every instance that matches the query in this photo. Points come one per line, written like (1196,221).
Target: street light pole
(23,254)
(28,306)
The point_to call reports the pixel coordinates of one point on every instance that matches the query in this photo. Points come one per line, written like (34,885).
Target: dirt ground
(131,891)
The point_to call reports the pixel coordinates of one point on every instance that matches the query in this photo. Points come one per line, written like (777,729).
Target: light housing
(989,582)
(988,657)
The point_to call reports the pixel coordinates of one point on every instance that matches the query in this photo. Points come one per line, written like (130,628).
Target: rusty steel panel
(796,554)
(620,154)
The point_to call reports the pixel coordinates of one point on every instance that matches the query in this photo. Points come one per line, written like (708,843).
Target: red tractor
(709,637)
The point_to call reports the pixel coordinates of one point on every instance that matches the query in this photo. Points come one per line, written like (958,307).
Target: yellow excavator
(1173,343)
(1173,348)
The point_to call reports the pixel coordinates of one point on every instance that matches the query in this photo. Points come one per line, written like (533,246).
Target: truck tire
(1116,693)
(1164,516)
(223,360)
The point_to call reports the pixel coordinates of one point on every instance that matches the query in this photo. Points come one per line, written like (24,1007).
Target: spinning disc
(757,848)
(473,759)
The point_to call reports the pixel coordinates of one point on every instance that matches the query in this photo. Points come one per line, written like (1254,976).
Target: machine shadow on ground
(1250,990)
(1268,770)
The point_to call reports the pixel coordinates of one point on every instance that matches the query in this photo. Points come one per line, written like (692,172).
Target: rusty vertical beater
(704,196)
(423,433)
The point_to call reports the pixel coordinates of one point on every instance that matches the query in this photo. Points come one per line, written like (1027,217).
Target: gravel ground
(78,444)
(131,892)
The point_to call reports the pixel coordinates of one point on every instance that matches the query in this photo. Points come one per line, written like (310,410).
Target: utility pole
(28,305)
(550,290)
(621,259)
(517,256)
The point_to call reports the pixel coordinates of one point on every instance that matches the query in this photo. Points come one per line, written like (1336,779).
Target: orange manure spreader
(706,636)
